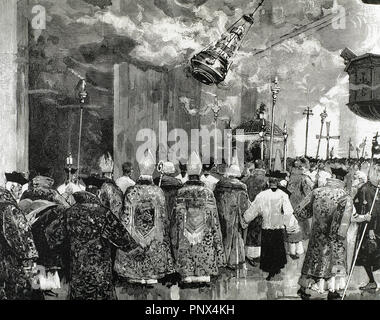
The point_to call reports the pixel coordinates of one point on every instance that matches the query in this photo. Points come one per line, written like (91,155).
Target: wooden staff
(360,243)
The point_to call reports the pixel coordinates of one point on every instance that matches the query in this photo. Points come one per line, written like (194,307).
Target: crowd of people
(186,224)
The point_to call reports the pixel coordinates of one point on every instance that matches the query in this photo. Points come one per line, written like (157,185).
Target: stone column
(14,109)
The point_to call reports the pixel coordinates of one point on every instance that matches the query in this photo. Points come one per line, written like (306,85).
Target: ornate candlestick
(69,163)
(286,135)
(82,95)
(324,116)
(263,130)
(275,92)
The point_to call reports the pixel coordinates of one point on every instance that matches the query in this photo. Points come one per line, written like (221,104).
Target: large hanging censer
(211,65)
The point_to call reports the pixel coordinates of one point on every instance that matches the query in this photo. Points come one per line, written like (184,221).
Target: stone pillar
(14,109)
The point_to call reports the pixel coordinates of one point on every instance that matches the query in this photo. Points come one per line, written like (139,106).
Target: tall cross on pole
(308,112)
(328,138)
(324,115)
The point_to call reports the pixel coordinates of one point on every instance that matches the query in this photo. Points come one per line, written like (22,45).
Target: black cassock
(369,254)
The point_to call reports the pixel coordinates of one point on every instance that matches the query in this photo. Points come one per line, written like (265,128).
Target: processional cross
(328,138)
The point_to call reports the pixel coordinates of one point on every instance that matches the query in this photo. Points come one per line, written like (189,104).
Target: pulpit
(364,72)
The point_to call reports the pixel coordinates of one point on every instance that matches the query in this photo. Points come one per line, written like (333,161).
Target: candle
(69,160)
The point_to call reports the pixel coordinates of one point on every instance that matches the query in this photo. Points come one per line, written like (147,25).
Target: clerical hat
(73,170)
(94,181)
(16,177)
(207,167)
(277,175)
(42,171)
(339,173)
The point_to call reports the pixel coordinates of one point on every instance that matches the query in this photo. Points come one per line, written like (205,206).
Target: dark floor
(254,287)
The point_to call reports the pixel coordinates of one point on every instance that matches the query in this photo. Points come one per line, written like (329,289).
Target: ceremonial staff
(323,119)
(286,135)
(308,112)
(83,95)
(375,150)
(275,91)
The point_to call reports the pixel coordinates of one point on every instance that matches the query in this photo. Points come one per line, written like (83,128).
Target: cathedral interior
(134,56)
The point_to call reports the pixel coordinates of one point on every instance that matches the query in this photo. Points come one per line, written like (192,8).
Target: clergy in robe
(299,186)
(110,194)
(277,212)
(196,235)
(126,181)
(146,219)
(170,185)
(15,183)
(232,202)
(331,208)
(256,183)
(41,188)
(207,178)
(369,253)
(69,187)
(89,230)
(183,176)
(17,250)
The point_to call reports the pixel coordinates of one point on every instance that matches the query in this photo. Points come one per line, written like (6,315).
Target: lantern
(212,64)
(364,72)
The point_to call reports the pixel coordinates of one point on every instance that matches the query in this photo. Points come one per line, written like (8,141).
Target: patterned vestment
(111,197)
(16,248)
(146,218)
(329,207)
(47,257)
(196,235)
(90,230)
(232,202)
(300,185)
